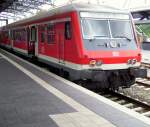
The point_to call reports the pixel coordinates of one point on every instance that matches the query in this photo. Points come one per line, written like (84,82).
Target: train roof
(69,8)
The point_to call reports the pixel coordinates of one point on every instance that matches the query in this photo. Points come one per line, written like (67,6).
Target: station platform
(33,97)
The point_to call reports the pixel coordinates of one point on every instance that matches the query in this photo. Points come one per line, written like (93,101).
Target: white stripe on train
(83,67)
(80,66)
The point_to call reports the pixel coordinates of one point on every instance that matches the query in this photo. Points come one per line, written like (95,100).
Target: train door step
(30,55)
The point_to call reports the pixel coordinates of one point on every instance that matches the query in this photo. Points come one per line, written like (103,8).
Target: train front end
(112,55)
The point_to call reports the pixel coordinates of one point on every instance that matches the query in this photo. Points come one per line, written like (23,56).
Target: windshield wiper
(95,36)
(129,39)
(99,36)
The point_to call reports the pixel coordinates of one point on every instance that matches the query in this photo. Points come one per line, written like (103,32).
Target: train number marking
(115,53)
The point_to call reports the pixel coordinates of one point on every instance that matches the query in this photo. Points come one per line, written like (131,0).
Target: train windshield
(106,29)
(95,28)
(104,34)
(121,29)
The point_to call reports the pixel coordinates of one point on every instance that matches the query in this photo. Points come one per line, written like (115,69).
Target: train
(86,42)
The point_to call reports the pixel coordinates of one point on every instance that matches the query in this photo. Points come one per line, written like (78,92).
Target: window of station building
(51,34)
(68,30)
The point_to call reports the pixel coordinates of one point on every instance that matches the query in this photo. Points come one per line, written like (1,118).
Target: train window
(33,34)
(19,35)
(50,38)
(50,27)
(6,34)
(42,37)
(23,34)
(93,28)
(14,38)
(11,34)
(67,30)
(121,29)
(42,28)
(51,33)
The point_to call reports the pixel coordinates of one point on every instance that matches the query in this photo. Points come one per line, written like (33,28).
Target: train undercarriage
(111,79)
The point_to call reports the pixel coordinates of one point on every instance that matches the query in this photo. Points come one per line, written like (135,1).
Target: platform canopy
(13,10)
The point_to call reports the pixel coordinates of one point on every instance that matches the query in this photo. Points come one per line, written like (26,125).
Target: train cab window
(68,31)
(51,34)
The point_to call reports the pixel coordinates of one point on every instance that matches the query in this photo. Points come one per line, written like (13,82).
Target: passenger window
(42,33)
(23,34)
(68,30)
(51,34)
(42,37)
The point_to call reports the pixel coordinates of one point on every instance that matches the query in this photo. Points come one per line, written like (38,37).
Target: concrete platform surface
(33,97)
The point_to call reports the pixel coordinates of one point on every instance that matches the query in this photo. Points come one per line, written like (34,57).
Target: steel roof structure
(18,9)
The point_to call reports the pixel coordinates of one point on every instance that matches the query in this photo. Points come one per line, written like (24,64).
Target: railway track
(143,83)
(127,101)
(146,65)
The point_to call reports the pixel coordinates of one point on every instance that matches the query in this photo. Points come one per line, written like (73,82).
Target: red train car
(88,42)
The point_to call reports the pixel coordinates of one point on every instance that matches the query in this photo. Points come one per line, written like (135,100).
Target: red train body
(88,42)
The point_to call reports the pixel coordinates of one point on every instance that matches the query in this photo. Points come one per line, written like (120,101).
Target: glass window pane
(95,28)
(51,33)
(67,31)
(121,28)
(42,37)
(33,34)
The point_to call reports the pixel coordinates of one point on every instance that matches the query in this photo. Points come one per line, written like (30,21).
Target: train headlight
(99,63)
(92,63)
(134,61)
(129,61)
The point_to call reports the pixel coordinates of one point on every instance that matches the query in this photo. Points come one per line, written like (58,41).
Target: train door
(36,42)
(61,44)
(33,43)
(28,40)
(11,38)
